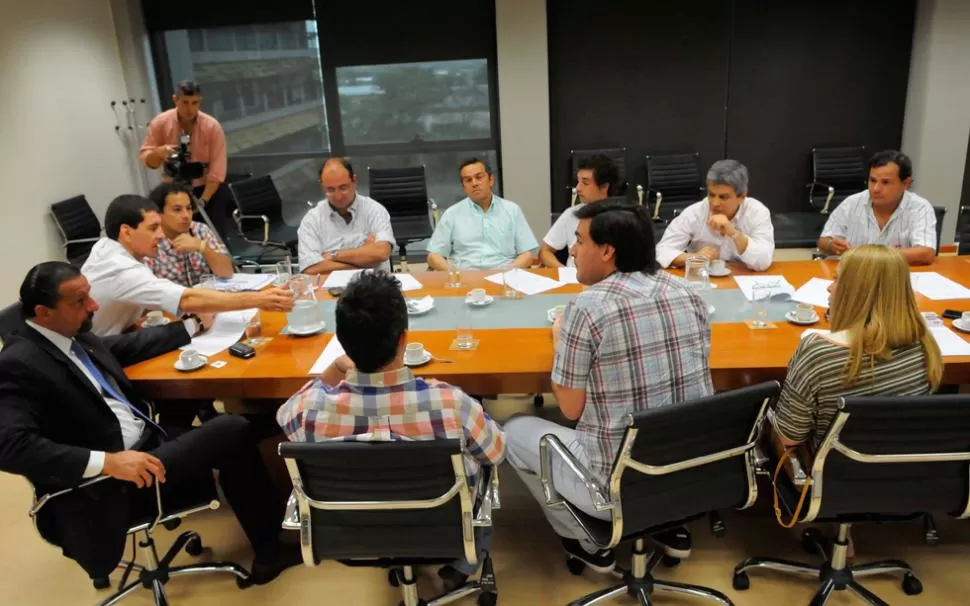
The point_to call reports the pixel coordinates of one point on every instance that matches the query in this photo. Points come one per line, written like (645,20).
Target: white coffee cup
(718,266)
(414,353)
(804,312)
(191,357)
(477,295)
(965,318)
(154,318)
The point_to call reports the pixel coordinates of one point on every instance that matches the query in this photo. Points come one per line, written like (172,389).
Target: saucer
(419,311)
(424,360)
(721,274)
(959,325)
(791,317)
(306,332)
(551,314)
(180,366)
(489,299)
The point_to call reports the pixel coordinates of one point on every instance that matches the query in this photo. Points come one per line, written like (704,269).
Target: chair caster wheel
(101,583)
(741,581)
(393,578)
(488,599)
(538,401)
(811,538)
(576,567)
(669,561)
(194,546)
(912,585)
(172,524)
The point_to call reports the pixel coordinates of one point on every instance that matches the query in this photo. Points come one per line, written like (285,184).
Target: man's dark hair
(126,209)
(42,285)
(880,159)
(189,88)
(604,171)
(625,227)
(162,191)
(470,161)
(371,317)
(344,161)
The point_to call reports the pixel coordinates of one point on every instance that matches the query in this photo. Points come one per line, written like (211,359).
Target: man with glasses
(347,230)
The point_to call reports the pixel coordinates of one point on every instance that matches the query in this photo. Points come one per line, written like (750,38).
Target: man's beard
(88,324)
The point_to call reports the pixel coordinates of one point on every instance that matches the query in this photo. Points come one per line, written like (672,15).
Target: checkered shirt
(187,269)
(393,406)
(633,341)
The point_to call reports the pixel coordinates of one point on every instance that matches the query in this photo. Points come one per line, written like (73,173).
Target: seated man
(68,412)
(728,225)
(637,338)
(189,249)
(595,177)
(887,213)
(125,288)
(370,395)
(482,231)
(349,231)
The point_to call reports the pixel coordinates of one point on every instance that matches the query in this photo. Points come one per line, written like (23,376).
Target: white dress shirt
(125,288)
(912,224)
(562,234)
(131,426)
(688,232)
(323,230)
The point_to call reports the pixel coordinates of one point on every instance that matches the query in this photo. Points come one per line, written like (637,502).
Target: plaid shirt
(186,269)
(633,341)
(393,406)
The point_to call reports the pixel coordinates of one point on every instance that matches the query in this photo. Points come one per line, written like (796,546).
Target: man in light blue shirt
(482,231)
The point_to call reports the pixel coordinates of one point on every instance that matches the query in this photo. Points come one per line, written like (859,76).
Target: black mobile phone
(952,314)
(241,350)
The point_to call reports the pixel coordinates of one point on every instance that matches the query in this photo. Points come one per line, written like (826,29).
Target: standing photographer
(207,143)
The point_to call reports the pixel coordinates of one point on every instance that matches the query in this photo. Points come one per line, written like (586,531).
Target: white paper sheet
(567,275)
(250,281)
(342,277)
(331,352)
(951,344)
(778,284)
(814,292)
(936,287)
(525,282)
(408,282)
(228,327)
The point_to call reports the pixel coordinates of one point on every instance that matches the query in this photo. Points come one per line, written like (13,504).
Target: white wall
(937,118)
(59,69)
(523,86)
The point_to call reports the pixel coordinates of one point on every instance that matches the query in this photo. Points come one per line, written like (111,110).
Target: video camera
(178,167)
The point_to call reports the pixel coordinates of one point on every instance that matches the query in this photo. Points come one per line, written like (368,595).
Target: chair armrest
(488,497)
(435,216)
(291,519)
(549,445)
(80,241)
(239,218)
(44,499)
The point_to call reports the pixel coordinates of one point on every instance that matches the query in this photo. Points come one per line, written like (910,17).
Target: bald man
(348,230)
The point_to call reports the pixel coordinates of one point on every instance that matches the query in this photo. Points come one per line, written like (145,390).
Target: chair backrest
(940,212)
(845,169)
(679,180)
(963,231)
(688,459)
(11,317)
(402,191)
(894,455)
(76,221)
(258,196)
(617,154)
(377,500)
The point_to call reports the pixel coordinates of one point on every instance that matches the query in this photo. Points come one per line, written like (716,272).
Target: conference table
(514,353)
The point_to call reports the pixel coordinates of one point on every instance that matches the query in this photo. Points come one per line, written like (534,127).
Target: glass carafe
(306,315)
(697,272)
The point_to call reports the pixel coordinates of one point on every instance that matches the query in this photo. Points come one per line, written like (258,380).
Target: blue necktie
(106,386)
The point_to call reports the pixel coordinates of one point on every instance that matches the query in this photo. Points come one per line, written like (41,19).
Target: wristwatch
(201,246)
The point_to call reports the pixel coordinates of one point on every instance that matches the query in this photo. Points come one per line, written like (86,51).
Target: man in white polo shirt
(728,225)
(346,230)
(595,177)
(887,213)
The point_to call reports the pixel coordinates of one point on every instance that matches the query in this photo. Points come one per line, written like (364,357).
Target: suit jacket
(52,417)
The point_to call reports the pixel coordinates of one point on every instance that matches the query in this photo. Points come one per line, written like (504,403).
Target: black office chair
(79,227)
(11,317)
(837,173)
(259,214)
(940,212)
(154,572)
(675,464)
(392,505)
(674,182)
(883,459)
(617,154)
(963,231)
(404,193)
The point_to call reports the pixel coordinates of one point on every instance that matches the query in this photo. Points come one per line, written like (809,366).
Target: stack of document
(342,277)
(936,287)
(778,285)
(814,292)
(525,282)
(227,328)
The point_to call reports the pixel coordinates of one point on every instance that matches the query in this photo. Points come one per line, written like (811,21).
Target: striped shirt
(323,230)
(633,341)
(912,224)
(189,268)
(393,406)
(809,400)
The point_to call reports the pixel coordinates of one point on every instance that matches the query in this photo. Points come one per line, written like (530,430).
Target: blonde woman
(878,345)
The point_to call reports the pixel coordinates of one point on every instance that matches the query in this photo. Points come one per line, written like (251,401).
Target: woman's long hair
(874,302)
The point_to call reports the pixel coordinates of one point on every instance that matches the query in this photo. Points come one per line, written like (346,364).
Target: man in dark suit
(68,412)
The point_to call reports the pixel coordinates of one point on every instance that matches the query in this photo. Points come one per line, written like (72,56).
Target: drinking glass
(508,277)
(254,331)
(284,271)
(760,298)
(454,273)
(464,338)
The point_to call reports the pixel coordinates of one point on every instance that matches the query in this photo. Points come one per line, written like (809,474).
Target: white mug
(477,295)
(965,318)
(718,266)
(154,318)
(191,357)
(414,353)
(804,312)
